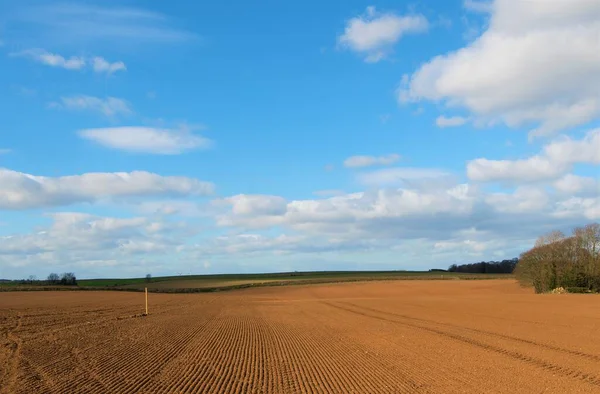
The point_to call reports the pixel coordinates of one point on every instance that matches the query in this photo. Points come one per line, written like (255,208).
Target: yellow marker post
(146,290)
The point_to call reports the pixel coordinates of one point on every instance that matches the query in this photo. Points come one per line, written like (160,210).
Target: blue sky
(193,137)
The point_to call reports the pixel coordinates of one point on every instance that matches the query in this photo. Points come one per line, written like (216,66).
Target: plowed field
(377,337)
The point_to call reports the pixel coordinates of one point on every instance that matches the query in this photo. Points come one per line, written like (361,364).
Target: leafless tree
(68,279)
(53,278)
(560,261)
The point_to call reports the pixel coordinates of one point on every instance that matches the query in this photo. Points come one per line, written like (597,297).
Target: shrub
(577,290)
(559,290)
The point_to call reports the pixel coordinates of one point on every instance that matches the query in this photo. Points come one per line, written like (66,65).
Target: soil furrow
(554,368)
(377,337)
(594,357)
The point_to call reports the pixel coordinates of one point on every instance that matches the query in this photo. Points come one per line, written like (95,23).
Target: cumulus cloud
(524,200)
(109,106)
(510,73)
(72,230)
(51,59)
(243,204)
(87,243)
(22,191)
(574,207)
(146,139)
(245,208)
(374,34)
(571,184)
(367,161)
(264,211)
(447,218)
(101,65)
(460,221)
(453,121)
(586,150)
(427,207)
(533,169)
(556,159)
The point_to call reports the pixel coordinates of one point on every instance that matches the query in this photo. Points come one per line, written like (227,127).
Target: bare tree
(549,238)
(68,279)
(588,241)
(559,261)
(53,278)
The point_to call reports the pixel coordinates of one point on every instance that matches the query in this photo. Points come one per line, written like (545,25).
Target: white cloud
(109,106)
(85,243)
(571,184)
(392,176)
(478,6)
(243,204)
(252,243)
(98,64)
(556,159)
(170,207)
(147,139)
(467,245)
(51,59)
(524,200)
(101,65)
(457,222)
(566,149)
(359,254)
(453,121)
(510,73)
(22,191)
(374,34)
(340,211)
(457,217)
(5,151)
(536,168)
(367,161)
(77,24)
(574,207)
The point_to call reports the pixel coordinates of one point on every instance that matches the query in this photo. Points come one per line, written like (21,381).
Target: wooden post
(146,291)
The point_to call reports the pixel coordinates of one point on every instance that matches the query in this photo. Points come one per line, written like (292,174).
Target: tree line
(560,261)
(486,267)
(65,279)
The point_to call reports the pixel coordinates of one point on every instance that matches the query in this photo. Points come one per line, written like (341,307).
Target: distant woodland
(486,267)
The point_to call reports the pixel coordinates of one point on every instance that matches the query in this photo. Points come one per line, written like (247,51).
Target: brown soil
(377,337)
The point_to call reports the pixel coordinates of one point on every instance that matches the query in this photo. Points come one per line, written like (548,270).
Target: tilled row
(298,340)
